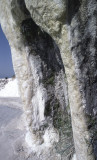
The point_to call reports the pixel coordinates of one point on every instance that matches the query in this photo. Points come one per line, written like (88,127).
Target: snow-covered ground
(9,88)
(11,121)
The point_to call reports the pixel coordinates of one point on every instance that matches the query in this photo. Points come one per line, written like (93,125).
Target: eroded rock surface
(53,46)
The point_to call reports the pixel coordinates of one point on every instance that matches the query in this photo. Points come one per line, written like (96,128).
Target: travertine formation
(53,45)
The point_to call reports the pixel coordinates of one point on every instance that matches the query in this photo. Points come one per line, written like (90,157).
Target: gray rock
(53,45)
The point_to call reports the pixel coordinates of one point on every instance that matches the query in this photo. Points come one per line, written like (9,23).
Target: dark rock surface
(83,38)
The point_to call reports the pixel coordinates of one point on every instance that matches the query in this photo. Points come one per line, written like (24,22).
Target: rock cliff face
(53,45)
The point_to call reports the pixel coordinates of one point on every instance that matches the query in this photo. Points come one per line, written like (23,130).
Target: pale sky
(6,67)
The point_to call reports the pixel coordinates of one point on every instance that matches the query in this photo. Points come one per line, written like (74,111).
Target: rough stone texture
(42,82)
(83,32)
(53,45)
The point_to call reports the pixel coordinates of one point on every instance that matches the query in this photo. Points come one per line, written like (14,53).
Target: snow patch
(74,157)
(10,90)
